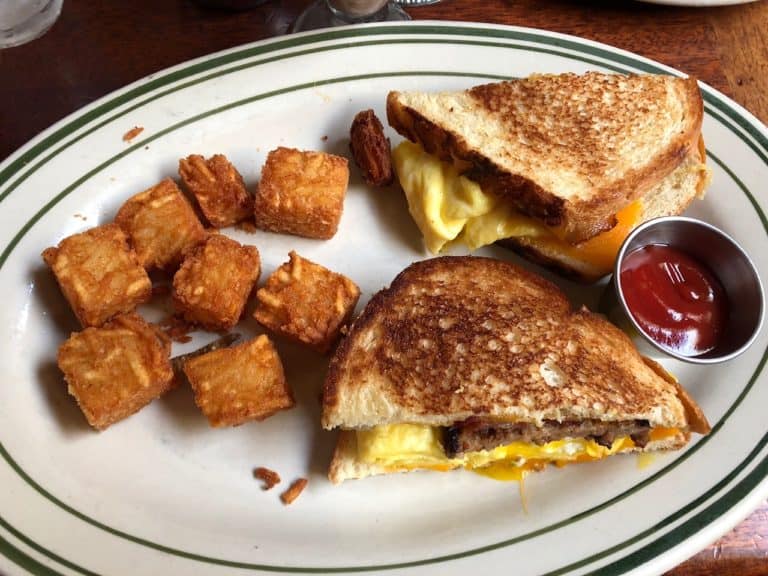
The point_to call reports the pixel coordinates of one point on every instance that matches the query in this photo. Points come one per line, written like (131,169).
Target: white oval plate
(162,493)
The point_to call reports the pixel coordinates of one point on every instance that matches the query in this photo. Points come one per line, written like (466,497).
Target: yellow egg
(447,207)
(411,446)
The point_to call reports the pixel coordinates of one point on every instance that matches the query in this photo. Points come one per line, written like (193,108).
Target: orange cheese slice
(663,433)
(600,251)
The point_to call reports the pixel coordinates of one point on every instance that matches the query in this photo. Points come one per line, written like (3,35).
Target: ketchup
(676,300)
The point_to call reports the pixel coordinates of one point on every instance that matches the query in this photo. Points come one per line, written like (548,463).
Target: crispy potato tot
(241,383)
(225,341)
(301,193)
(161,225)
(116,370)
(218,188)
(214,282)
(306,302)
(99,274)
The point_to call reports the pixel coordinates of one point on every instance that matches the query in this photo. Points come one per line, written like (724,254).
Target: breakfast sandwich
(475,363)
(560,167)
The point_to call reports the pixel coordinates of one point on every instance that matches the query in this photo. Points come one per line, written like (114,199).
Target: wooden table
(96,47)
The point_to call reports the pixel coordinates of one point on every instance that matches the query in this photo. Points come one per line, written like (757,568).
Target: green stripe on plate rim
(194,68)
(222,59)
(27,562)
(24,560)
(118,101)
(691,526)
(202,65)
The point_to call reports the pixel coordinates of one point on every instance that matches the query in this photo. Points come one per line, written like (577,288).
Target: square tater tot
(306,302)
(116,370)
(234,385)
(214,282)
(99,274)
(161,225)
(301,193)
(218,188)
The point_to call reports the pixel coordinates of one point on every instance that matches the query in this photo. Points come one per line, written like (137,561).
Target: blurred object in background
(231,5)
(328,13)
(416,2)
(25,20)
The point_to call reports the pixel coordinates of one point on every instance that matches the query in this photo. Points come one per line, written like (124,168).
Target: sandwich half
(561,166)
(469,362)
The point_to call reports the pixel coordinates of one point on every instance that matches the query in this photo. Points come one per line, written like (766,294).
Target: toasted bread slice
(670,197)
(460,338)
(568,149)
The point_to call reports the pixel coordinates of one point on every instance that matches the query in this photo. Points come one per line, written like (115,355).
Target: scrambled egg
(411,446)
(447,207)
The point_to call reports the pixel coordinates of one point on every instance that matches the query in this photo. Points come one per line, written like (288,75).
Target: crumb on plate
(294,491)
(132,133)
(177,329)
(269,477)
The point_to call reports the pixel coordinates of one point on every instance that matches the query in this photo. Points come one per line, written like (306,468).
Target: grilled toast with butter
(469,362)
(560,156)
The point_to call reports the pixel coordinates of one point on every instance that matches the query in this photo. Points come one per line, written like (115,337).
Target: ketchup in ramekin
(684,288)
(676,300)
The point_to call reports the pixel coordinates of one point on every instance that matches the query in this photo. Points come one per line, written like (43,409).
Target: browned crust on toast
(528,197)
(583,271)
(697,421)
(578,219)
(378,306)
(456,337)
(344,445)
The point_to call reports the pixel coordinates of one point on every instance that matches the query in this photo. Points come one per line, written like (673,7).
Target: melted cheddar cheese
(399,447)
(448,207)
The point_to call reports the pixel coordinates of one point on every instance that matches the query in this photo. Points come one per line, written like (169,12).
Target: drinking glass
(327,13)
(25,20)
